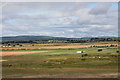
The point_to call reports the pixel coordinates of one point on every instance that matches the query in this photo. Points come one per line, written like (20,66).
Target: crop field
(61,61)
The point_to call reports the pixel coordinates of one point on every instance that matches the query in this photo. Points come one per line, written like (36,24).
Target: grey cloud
(101,8)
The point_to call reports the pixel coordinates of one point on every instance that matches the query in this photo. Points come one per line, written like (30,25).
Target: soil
(8,53)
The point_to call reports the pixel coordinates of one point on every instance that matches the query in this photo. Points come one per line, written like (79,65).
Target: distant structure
(80,52)
(117,51)
(99,50)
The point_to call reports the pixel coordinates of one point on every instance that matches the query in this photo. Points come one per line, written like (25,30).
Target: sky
(60,19)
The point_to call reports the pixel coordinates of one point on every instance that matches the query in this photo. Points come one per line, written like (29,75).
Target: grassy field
(62,63)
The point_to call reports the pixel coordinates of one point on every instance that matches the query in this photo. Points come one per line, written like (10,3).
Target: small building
(99,50)
(80,51)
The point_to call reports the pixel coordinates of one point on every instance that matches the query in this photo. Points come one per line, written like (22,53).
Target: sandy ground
(3,60)
(8,53)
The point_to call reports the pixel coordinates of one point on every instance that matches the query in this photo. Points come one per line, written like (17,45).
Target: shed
(99,49)
(80,51)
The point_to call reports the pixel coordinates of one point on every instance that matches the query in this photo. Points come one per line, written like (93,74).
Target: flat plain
(57,60)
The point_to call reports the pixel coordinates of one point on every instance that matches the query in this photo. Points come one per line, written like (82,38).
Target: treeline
(92,40)
(22,41)
(62,41)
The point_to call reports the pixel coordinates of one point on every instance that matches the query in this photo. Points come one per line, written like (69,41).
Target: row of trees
(64,41)
(92,40)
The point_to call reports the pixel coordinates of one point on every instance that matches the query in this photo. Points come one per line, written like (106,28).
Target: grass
(73,51)
(60,61)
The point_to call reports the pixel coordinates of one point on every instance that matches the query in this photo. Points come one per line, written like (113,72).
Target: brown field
(7,53)
(58,47)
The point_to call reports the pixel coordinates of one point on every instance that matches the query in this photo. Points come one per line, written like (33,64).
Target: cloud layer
(63,19)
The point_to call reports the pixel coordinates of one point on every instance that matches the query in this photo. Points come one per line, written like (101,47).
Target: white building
(80,51)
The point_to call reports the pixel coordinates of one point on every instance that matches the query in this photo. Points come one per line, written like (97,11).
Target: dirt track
(6,53)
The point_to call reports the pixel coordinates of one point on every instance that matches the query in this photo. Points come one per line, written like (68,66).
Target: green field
(62,63)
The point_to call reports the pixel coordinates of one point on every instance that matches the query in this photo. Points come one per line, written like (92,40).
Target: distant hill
(99,37)
(32,38)
(46,38)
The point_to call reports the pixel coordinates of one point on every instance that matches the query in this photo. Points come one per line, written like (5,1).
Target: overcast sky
(61,19)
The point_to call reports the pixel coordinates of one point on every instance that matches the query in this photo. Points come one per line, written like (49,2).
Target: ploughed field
(61,62)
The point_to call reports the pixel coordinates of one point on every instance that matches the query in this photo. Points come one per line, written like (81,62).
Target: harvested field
(7,53)
(56,47)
